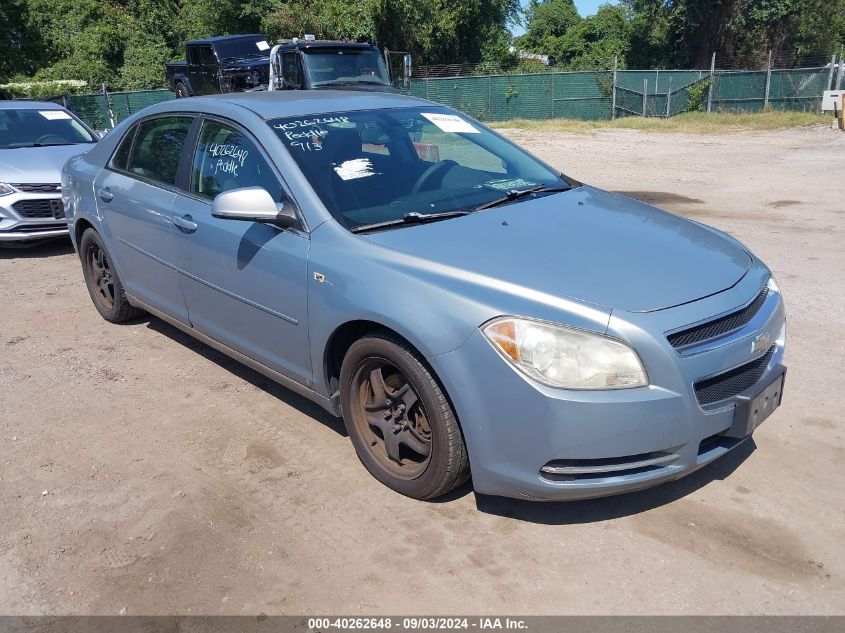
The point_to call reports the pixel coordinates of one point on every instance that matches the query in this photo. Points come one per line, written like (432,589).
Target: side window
(290,71)
(226,159)
(121,156)
(206,56)
(157,148)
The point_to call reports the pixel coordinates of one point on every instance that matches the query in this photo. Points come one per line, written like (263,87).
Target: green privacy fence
(600,95)
(98,110)
(588,95)
(796,89)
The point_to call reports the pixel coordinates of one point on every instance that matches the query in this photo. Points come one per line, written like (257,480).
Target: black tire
(181,91)
(428,419)
(103,283)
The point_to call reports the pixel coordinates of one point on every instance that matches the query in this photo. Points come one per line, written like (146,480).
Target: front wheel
(400,421)
(181,91)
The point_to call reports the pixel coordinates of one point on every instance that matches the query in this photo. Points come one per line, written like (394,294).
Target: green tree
(684,33)
(556,29)
(548,21)
(82,39)
(593,42)
(19,48)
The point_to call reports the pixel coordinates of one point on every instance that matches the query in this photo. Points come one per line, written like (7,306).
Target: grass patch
(693,122)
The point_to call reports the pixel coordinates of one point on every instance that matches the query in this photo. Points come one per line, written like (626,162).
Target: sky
(585,8)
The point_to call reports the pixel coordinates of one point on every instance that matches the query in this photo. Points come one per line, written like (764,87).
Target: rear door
(134,195)
(244,282)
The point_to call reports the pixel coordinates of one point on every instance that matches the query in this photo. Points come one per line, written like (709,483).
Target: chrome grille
(30,187)
(718,327)
(732,382)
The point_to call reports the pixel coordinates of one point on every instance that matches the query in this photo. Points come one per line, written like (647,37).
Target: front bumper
(526,440)
(34,223)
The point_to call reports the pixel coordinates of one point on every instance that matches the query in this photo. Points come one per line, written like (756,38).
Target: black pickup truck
(229,63)
(235,63)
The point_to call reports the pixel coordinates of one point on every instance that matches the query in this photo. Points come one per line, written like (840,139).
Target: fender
(185,80)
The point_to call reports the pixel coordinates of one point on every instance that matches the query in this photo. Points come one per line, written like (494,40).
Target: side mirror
(406,69)
(253,204)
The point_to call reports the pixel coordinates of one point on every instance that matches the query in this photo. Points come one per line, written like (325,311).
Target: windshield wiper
(409,218)
(514,194)
(31,145)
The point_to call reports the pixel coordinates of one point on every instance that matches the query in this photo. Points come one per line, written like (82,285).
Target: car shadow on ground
(52,248)
(543,512)
(251,376)
(615,507)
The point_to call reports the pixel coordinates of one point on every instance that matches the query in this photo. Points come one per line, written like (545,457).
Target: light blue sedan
(462,305)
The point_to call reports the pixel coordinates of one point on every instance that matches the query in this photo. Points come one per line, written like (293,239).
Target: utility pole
(710,88)
(613,100)
(768,81)
(830,74)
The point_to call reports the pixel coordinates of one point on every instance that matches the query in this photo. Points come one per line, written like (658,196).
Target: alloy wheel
(102,278)
(391,418)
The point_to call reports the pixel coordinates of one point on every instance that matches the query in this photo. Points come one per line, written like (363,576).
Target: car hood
(585,244)
(37,164)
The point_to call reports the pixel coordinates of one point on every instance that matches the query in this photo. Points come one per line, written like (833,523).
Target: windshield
(378,166)
(345,65)
(240,48)
(28,127)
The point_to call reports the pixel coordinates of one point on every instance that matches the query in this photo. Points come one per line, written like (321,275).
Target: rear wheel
(182,91)
(103,282)
(400,421)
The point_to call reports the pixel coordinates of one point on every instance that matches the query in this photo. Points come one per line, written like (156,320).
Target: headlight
(6,189)
(562,357)
(773,284)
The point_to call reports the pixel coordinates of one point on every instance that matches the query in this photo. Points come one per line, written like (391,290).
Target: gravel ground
(144,471)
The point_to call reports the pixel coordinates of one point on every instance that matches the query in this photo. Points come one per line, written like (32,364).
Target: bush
(697,95)
(34,89)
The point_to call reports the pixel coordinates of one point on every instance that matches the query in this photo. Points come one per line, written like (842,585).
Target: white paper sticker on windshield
(450,123)
(263,45)
(354,169)
(54,115)
(507,184)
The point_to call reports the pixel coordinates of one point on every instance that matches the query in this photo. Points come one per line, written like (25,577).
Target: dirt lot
(145,471)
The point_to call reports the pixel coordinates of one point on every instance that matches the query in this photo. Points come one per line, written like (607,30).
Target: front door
(135,195)
(244,282)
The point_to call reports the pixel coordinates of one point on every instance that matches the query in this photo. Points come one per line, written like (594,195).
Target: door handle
(185,223)
(105,194)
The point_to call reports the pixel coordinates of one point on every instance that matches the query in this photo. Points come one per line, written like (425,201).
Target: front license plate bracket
(757,403)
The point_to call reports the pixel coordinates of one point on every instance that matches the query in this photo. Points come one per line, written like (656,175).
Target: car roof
(225,38)
(284,103)
(22,104)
